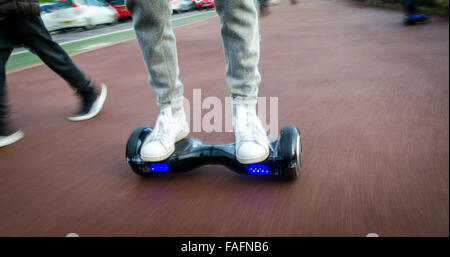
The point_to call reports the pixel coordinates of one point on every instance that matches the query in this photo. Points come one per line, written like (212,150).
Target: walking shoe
(252,145)
(91,104)
(9,136)
(170,128)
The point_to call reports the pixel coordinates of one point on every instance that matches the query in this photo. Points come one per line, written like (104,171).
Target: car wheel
(89,24)
(115,21)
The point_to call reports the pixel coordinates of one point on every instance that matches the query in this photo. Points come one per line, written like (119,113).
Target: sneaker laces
(161,131)
(250,128)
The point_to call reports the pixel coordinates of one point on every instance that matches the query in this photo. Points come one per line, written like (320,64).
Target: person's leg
(37,38)
(5,51)
(153,27)
(8,135)
(6,48)
(151,20)
(240,35)
(410,7)
(34,35)
(264,7)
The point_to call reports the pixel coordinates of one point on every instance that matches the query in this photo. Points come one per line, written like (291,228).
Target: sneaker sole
(96,107)
(11,139)
(253,160)
(169,153)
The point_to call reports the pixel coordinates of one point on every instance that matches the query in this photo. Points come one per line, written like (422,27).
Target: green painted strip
(26,58)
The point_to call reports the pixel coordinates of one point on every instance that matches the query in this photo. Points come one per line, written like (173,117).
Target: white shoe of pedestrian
(169,129)
(252,145)
(10,138)
(91,105)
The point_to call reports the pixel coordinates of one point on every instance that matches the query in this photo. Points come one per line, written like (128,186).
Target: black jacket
(19,7)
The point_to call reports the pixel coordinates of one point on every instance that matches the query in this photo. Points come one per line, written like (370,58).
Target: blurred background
(62,15)
(429,6)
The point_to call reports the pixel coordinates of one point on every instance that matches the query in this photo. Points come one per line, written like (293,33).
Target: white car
(83,14)
(46,15)
(179,6)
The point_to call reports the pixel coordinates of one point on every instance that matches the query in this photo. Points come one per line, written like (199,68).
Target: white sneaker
(9,139)
(169,129)
(252,145)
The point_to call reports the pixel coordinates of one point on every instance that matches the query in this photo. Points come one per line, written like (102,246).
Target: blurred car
(83,13)
(121,9)
(203,4)
(49,22)
(182,5)
(274,2)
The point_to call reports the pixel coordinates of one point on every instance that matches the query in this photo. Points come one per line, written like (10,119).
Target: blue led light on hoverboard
(258,169)
(159,167)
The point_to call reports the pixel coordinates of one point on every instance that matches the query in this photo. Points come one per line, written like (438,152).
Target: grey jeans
(240,38)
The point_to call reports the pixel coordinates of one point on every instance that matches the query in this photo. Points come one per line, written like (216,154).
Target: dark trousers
(410,7)
(31,32)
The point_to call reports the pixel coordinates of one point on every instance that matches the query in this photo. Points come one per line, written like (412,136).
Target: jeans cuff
(244,100)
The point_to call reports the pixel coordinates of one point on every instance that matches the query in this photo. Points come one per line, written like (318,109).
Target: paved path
(370,96)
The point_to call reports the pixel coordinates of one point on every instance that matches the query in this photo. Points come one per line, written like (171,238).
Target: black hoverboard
(284,161)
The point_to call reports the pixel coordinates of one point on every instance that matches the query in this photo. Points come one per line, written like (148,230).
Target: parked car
(83,13)
(179,6)
(46,15)
(120,7)
(204,4)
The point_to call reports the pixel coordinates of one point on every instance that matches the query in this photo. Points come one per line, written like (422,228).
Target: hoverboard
(284,161)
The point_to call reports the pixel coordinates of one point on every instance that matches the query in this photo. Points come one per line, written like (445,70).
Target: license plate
(66,22)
